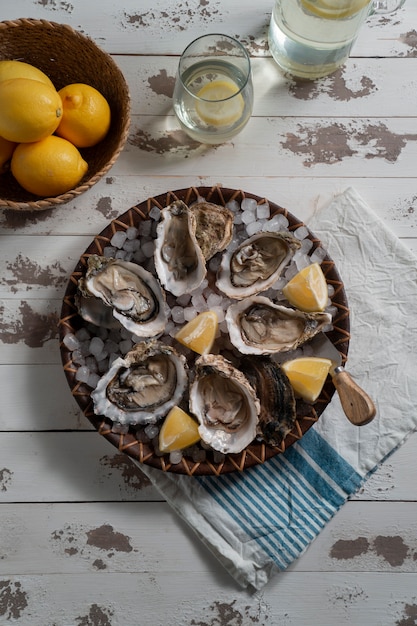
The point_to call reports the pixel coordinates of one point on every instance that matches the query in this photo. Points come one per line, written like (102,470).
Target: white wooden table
(84,538)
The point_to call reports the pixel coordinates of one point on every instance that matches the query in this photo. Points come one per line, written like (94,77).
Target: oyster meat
(129,293)
(179,261)
(257,325)
(143,386)
(278,407)
(255,264)
(224,403)
(214,227)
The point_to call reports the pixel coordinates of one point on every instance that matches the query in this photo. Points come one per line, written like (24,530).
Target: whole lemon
(86,115)
(6,151)
(48,167)
(30,110)
(19,69)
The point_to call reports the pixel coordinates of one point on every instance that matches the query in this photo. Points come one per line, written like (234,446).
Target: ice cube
(118,239)
(263,211)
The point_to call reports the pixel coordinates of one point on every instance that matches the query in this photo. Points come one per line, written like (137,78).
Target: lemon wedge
(200,332)
(307,290)
(217,106)
(178,431)
(307,375)
(334,9)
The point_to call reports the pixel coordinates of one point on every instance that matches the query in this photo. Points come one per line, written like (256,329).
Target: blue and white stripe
(282,505)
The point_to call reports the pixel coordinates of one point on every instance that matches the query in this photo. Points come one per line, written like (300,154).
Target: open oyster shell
(273,388)
(255,264)
(224,403)
(214,227)
(257,325)
(179,261)
(124,290)
(143,386)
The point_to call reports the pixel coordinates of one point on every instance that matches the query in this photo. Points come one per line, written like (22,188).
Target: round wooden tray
(257,452)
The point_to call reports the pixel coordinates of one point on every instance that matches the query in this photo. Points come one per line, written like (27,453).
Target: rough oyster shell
(179,261)
(257,325)
(214,227)
(224,403)
(132,295)
(273,388)
(255,264)
(143,386)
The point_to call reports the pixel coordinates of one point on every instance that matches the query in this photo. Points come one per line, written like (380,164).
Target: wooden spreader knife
(357,405)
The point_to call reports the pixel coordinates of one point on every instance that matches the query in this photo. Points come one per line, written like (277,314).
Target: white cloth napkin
(258,521)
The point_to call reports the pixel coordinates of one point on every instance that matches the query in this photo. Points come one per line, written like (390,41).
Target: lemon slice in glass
(220,103)
(200,332)
(307,290)
(307,375)
(178,431)
(334,9)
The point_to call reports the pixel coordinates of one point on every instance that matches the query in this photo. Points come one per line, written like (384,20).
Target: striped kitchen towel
(259,521)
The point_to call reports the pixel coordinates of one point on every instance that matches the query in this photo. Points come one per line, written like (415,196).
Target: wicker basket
(67,57)
(130,442)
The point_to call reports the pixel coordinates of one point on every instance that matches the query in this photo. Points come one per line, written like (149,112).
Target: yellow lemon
(86,115)
(200,332)
(217,105)
(178,431)
(19,69)
(307,375)
(334,9)
(307,290)
(48,167)
(30,110)
(6,151)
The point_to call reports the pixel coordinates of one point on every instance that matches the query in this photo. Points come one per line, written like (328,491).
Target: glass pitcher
(312,38)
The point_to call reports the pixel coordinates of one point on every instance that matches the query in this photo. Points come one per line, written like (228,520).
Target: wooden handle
(357,405)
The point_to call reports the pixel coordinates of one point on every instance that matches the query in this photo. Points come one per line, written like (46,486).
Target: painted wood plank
(163,29)
(361,87)
(149,537)
(83,466)
(393,199)
(45,404)
(194,598)
(67,466)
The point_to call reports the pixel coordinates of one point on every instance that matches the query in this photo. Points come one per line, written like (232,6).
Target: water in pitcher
(312,38)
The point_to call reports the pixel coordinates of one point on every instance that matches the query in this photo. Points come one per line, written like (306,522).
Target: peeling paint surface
(13,599)
(183,15)
(335,142)
(5,478)
(162,84)
(26,272)
(130,472)
(97,616)
(335,86)
(171,141)
(96,545)
(228,614)
(106,538)
(410,40)
(33,328)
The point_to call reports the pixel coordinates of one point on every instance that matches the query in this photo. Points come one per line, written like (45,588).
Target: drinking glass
(312,38)
(213,94)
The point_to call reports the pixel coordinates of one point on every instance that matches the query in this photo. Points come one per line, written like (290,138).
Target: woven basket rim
(44,203)
(256,453)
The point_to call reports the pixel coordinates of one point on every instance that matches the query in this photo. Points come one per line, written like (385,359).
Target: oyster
(278,407)
(143,386)
(255,264)
(214,227)
(224,403)
(179,261)
(257,325)
(131,293)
